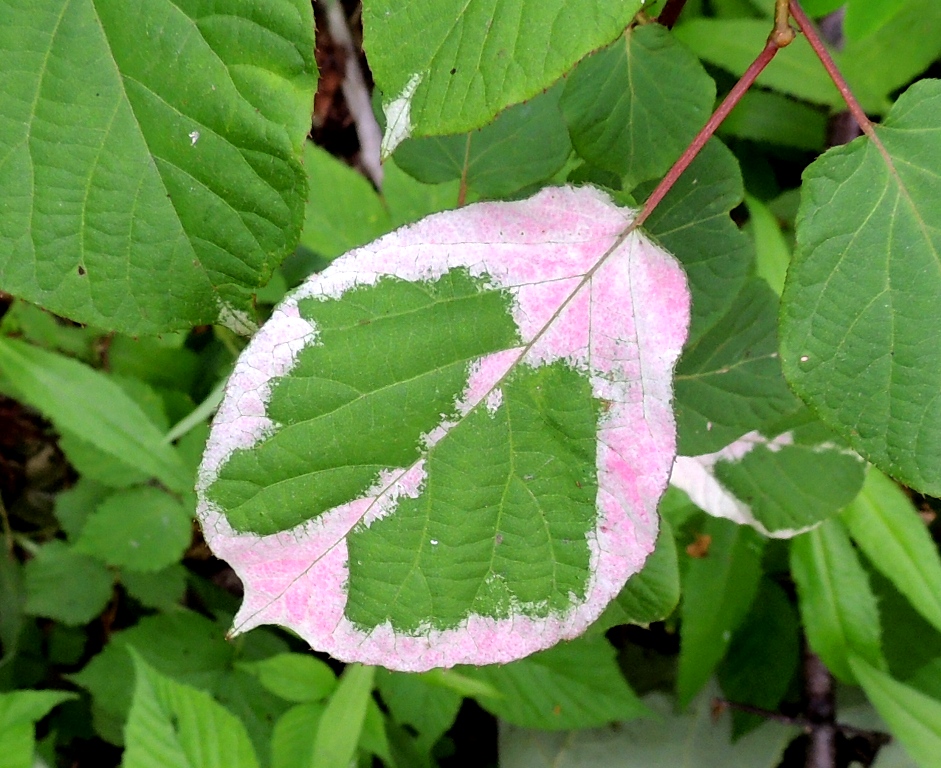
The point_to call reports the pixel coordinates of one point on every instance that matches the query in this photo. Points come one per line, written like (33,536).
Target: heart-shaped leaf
(449,446)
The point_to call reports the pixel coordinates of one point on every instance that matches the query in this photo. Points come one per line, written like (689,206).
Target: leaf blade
(885,525)
(836,602)
(911,715)
(339,729)
(869,260)
(84,401)
(718,591)
(116,167)
(425,53)
(484,441)
(172,725)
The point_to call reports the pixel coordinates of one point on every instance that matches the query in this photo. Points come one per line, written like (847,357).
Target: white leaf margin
(695,476)
(545,251)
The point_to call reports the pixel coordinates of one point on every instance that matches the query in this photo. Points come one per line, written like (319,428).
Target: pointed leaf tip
(448,448)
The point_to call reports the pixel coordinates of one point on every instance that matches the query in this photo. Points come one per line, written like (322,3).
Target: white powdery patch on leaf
(695,475)
(622,323)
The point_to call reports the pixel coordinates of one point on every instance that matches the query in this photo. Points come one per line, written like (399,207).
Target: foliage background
(113,614)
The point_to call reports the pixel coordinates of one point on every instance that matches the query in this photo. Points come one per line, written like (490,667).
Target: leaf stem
(670,13)
(689,154)
(810,32)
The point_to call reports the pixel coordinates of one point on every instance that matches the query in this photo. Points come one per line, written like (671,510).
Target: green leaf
(146,140)
(182,644)
(19,710)
(140,529)
(772,252)
(161,362)
(914,718)
(341,724)
(910,645)
(96,466)
(525,145)
(12,600)
(733,44)
(633,107)
(172,725)
(718,590)
(764,654)
(35,325)
(18,707)
(894,55)
(859,307)
(573,685)
(409,200)
(291,742)
(257,708)
(925,678)
(86,402)
(699,739)
(863,17)
(373,739)
(293,747)
(729,380)
(293,676)
(817,8)
(461,684)
(874,67)
(73,506)
(886,526)
(790,485)
(447,66)
(836,602)
(650,595)
(774,118)
(65,585)
(343,210)
(693,222)
(415,701)
(161,589)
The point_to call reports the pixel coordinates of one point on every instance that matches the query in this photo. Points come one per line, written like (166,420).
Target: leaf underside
(449,446)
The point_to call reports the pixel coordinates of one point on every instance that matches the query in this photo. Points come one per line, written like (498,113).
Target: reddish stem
(810,32)
(727,105)
(670,13)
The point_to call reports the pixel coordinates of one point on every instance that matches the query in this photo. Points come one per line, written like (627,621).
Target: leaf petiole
(781,36)
(810,32)
(728,104)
